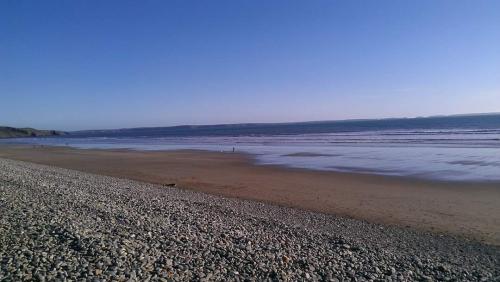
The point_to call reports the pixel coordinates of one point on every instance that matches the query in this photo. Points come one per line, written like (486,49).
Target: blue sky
(111,64)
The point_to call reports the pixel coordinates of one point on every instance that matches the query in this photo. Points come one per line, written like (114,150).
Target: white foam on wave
(463,155)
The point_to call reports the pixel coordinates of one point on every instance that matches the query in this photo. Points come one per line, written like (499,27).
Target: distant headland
(13,132)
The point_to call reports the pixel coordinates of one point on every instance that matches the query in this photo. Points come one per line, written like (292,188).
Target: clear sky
(112,64)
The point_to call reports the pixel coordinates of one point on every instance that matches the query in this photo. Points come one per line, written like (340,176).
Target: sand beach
(469,210)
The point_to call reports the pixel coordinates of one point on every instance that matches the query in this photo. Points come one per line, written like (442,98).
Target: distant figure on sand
(233,149)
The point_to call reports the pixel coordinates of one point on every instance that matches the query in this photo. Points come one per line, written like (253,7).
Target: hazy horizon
(122,64)
(242,123)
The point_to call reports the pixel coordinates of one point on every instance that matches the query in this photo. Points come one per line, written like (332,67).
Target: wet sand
(470,210)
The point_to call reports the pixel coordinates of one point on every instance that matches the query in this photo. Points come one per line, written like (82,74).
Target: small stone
(286,259)
(443,268)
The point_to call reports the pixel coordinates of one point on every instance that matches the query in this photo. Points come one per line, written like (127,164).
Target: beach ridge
(91,226)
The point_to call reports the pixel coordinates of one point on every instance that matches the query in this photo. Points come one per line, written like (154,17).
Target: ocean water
(466,150)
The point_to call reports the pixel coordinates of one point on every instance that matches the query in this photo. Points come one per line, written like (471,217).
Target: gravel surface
(59,224)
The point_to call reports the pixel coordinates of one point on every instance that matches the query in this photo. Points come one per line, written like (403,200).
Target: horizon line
(286,122)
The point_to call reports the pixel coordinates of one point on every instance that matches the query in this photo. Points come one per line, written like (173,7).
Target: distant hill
(12,132)
(470,121)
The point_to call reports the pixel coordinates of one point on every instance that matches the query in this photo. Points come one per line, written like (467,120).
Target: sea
(448,148)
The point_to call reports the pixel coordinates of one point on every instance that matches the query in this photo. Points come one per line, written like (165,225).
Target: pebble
(58,224)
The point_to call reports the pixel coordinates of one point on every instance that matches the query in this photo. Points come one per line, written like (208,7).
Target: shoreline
(434,206)
(441,166)
(253,160)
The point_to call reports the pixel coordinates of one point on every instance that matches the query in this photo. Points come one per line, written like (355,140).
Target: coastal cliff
(13,132)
